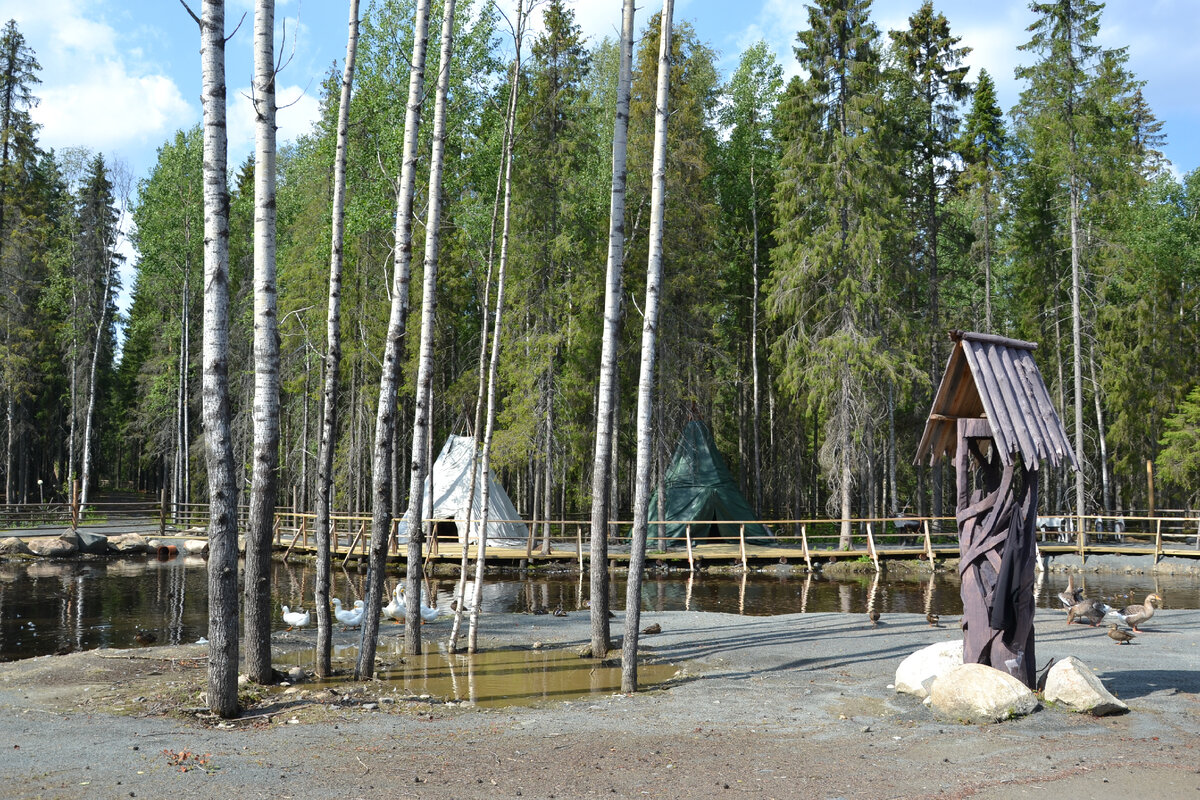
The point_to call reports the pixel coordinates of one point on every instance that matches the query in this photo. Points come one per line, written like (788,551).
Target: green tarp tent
(699,488)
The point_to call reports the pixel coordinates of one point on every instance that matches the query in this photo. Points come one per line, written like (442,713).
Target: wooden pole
(1150,483)
(293,544)
(162,513)
(742,545)
(74,505)
(804,544)
(579,546)
(357,537)
(1157,540)
(687,535)
(871,548)
(928,543)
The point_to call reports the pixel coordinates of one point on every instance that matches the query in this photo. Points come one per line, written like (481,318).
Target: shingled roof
(994,378)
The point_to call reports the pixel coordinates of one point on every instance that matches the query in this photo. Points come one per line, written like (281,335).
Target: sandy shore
(785,706)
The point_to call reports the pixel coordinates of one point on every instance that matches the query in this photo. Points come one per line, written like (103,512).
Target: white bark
(603,463)
(422,422)
(222,526)
(89,415)
(385,419)
(333,361)
(654,270)
(264,486)
(493,366)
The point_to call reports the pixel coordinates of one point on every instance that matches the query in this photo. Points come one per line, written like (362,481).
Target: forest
(819,238)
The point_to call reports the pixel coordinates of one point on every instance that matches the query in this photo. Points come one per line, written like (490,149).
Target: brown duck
(934,620)
(873,616)
(1089,611)
(1119,636)
(1137,613)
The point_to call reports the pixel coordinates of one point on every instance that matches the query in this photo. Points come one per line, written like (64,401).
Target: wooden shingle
(996,379)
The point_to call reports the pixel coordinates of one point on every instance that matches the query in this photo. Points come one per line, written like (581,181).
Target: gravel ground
(772,707)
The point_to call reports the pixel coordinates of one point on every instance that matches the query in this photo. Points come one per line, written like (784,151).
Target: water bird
(145,637)
(558,611)
(1119,636)
(295,619)
(1070,596)
(873,615)
(649,629)
(539,610)
(394,610)
(428,613)
(934,620)
(1138,613)
(1090,611)
(350,618)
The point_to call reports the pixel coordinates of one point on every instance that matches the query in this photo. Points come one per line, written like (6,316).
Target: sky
(121,76)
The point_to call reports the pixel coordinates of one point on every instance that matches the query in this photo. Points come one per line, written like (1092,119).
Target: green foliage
(1179,460)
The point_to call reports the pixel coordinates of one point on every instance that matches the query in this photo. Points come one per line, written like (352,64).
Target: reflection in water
(48,607)
(488,679)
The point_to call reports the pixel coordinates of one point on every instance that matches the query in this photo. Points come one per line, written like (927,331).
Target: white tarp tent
(451,476)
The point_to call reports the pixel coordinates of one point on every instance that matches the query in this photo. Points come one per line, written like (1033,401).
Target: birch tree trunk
(89,415)
(654,270)
(602,463)
(222,491)
(385,420)
(422,418)
(264,486)
(485,462)
(333,362)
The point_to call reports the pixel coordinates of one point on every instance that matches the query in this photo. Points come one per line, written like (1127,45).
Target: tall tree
(984,150)
(385,421)
(264,487)
(333,359)
(602,464)
(222,489)
(645,406)
(836,206)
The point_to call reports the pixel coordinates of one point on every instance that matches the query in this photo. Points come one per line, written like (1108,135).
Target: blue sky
(120,76)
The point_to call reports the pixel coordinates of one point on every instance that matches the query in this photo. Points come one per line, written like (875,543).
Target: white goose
(295,619)
(395,609)
(350,618)
(428,613)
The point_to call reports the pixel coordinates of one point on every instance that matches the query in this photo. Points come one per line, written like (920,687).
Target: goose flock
(1095,612)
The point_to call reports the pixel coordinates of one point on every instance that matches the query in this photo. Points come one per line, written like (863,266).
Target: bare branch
(188,9)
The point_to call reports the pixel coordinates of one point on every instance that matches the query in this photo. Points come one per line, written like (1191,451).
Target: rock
(295,674)
(129,543)
(194,546)
(919,670)
(585,650)
(977,693)
(92,543)
(54,546)
(1072,683)
(12,546)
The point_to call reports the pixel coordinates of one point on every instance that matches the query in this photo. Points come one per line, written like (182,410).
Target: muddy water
(487,679)
(60,607)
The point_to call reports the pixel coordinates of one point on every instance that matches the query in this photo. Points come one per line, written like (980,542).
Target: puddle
(490,679)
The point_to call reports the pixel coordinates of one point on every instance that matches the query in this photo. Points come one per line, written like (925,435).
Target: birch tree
(222,491)
(645,404)
(423,421)
(602,462)
(264,487)
(385,420)
(494,361)
(333,360)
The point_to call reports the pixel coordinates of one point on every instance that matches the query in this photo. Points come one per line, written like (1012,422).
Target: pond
(57,607)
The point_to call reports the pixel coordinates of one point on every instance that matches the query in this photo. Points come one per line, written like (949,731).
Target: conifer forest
(818,238)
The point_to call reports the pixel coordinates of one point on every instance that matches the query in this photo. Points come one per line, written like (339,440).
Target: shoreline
(788,706)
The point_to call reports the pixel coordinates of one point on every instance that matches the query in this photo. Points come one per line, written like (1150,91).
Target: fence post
(1157,539)
(804,544)
(74,505)
(742,545)
(687,534)
(578,545)
(162,512)
(928,543)
(871,548)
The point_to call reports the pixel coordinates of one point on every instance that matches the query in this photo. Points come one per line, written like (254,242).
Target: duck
(539,610)
(1138,613)
(395,609)
(558,611)
(145,637)
(350,618)
(934,620)
(295,619)
(873,616)
(1090,611)
(428,613)
(1070,596)
(1119,636)
(650,630)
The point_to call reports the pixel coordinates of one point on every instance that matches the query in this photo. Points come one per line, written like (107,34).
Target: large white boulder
(918,671)
(977,693)
(54,546)
(12,546)
(1072,683)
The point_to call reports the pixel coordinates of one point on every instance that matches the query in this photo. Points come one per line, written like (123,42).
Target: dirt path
(787,706)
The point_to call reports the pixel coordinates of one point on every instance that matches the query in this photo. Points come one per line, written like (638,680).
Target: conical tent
(700,489)
(451,478)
